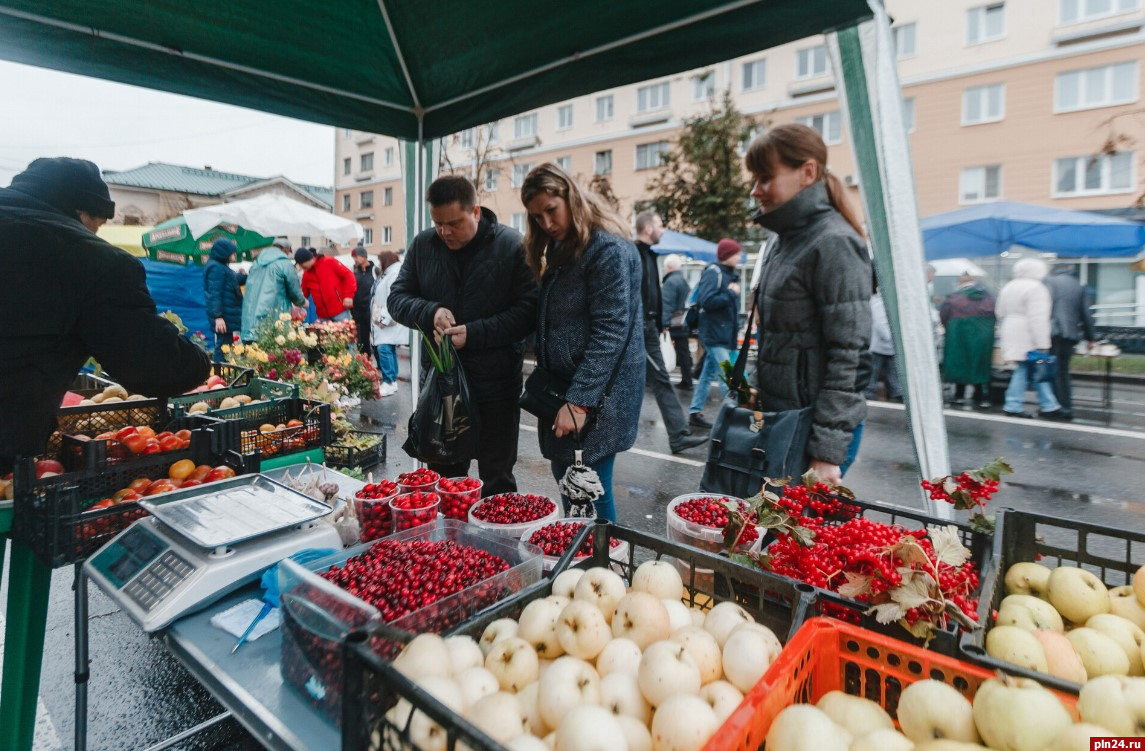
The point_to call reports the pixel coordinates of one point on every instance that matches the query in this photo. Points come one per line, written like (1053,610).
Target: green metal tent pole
(27,617)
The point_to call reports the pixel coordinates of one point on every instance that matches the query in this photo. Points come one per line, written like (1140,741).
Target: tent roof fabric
(202,182)
(460,65)
(686,245)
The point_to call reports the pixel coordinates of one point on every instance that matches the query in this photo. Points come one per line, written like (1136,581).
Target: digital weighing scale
(203,543)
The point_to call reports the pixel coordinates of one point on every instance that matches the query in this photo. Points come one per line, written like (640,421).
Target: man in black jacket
(466,278)
(675,292)
(1070,323)
(65,296)
(364,276)
(649,230)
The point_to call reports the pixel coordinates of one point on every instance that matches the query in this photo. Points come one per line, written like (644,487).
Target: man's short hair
(449,189)
(644,220)
(283,243)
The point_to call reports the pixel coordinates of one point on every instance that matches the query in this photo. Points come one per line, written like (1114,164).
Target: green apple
(1027,579)
(1016,645)
(1028,612)
(1018,714)
(1077,594)
(1114,702)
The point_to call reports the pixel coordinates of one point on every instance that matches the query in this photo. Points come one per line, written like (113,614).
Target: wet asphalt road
(1089,469)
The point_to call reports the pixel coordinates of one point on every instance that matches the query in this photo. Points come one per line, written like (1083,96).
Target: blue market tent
(993,228)
(686,245)
(180,290)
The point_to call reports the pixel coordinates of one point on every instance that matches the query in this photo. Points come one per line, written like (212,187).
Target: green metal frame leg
(28,583)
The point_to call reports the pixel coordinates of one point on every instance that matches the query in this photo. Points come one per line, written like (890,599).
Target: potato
(115,390)
(242,399)
(112,400)
(98,398)
(136,398)
(198,407)
(228,403)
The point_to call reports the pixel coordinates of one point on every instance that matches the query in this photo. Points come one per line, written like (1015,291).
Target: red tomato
(151,446)
(139,485)
(169,443)
(176,482)
(183,435)
(105,503)
(135,443)
(200,473)
(220,473)
(189,483)
(130,497)
(120,494)
(145,431)
(110,436)
(125,432)
(159,486)
(164,434)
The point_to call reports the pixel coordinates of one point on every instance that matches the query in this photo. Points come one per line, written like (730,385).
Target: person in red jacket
(330,283)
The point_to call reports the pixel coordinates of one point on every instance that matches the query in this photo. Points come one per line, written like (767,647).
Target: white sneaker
(389,389)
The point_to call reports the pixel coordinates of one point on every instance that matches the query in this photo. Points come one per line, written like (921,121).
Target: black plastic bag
(444,428)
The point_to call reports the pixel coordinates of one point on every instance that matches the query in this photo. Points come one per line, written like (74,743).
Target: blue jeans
(713,356)
(1016,392)
(388,362)
(220,340)
(853,449)
(343,316)
(606,507)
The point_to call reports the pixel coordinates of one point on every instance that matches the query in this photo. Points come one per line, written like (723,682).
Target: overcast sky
(118,127)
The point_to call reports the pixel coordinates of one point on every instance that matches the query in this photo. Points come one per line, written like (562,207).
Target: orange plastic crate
(829,655)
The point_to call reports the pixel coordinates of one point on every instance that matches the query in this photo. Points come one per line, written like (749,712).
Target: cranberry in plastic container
(422,480)
(414,509)
(372,504)
(458,495)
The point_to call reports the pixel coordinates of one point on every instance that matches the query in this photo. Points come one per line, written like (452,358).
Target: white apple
(855,714)
(502,628)
(932,710)
(660,579)
(698,617)
(1018,714)
(679,616)
(1016,645)
(944,745)
(530,706)
(683,723)
(590,728)
(1123,602)
(666,669)
(1028,612)
(538,626)
(724,617)
(1139,585)
(1099,653)
(1077,594)
(619,694)
(1076,737)
(1027,578)
(542,666)
(1062,659)
(565,582)
(1126,634)
(773,644)
(464,653)
(746,656)
(526,743)
(803,727)
(476,684)
(722,697)
(499,715)
(636,733)
(425,656)
(602,588)
(514,663)
(424,732)
(559,600)
(883,740)
(704,650)
(642,618)
(1114,702)
(619,655)
(582,630)
(568,683)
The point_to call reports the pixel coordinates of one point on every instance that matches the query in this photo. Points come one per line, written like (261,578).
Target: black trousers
(500,426)
(1062,349)
(363,325)
(683,358)
(656,377)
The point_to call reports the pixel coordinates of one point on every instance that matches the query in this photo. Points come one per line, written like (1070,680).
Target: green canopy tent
(171,242)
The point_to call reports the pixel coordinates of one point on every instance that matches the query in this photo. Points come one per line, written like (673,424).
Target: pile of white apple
(1008,714)
(595,666)
(1066,623)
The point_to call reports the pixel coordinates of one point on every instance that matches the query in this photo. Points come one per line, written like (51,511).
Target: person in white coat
(1023,309)
(386,333)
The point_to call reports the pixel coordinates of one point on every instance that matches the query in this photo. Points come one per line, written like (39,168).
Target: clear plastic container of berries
(513,513)
(554,538)
(422,480)
(372,505)
(698,519)
(411,510)
(458,495)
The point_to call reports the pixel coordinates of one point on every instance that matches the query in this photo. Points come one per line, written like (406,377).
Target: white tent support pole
(871,96)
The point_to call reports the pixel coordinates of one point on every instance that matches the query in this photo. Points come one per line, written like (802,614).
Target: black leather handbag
(747,445)
(544,395)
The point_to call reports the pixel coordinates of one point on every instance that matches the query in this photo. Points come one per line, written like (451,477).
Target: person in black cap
(74,297)
(364,277)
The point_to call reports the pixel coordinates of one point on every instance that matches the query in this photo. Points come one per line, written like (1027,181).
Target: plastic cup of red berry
(698,519)
(414,509)
(513,513)
(458,495)
(422,480)
(372,504)
(555,537)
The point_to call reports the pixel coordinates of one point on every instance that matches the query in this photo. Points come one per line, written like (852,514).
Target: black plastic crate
(1113,555)
(340,455)
(266,393)
(93,419)
(242,432)
(371,686)
(52,515)
(79,453)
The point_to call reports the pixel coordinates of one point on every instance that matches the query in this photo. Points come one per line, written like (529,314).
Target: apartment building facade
(1024,100)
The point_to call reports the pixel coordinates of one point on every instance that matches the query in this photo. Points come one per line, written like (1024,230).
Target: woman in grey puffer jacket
(815,297)
(589,300)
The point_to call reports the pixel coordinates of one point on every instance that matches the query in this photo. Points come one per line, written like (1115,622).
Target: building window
(304,241)
(908,114)
(368,236)
(754,75)
(603,108)
(465,138)
(366,199)
(978,184)
(346,132)
(652,98)
(565,163)
(517,222)
(519,173)
(388,197)
(983,104)
(346,202)
(346,166)
(829,125)
(387,235)
(1096,87)
(367,162)
(525,126)
(704,87)
(491,178)
(389,156)
(1076,11)
(904,40)
(602,163)
(651,155)
(564,117)
(1094,175)
(811,62)
(985,23)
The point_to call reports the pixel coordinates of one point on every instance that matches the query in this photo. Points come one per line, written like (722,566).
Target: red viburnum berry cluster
(414,509)
(979,491)
(418,479)
(821,499)
(458,495)
(554,539)
(713,512)
(513,508)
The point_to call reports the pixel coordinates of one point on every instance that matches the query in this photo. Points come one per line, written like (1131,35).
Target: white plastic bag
(668,350)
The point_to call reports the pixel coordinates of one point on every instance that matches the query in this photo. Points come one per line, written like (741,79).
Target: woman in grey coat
(589,300)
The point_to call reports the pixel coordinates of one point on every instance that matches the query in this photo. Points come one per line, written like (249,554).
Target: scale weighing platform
(203,543)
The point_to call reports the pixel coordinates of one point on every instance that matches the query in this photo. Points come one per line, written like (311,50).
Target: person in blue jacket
(223,294)
(717,296)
